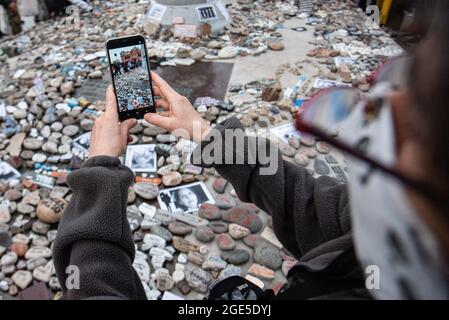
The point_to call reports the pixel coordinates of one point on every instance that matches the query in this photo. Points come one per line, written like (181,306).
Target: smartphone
(131,77)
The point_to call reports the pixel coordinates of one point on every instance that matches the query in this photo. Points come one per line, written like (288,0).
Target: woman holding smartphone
(388,225)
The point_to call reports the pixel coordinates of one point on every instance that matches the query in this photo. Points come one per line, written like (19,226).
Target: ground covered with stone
(181,253)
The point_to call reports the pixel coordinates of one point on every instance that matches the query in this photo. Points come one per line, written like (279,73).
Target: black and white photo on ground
(187,198)
(83,142)
(7,172)
(283,132)
(141,158)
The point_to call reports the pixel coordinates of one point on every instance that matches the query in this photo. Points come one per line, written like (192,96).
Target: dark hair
(430,86)
(197,190)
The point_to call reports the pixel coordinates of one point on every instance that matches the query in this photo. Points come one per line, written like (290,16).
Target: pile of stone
(179,253)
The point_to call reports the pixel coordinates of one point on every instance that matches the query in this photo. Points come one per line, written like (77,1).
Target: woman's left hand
(109,136)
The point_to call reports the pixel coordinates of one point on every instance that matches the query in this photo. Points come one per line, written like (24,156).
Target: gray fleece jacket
(310,218)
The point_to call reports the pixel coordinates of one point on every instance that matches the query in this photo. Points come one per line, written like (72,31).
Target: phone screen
(131,76)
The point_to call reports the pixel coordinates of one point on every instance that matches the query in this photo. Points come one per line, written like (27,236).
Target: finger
(111,104)
(156,91)
(127,125)
(130,139)
(164,113)
(161,103)
(158,120)
(168,92)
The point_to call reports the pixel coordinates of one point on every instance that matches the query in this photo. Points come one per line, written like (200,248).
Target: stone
(196,257)
(243,217)
(161,232)
(263,121)
(224,201)
(67,88)
(172,179)
(198,279)
(294,141)
(267,255)
(275,46)
(229,271)
(148,191)
(36,262)
(209,211)
(164,281)
(269,235)
(236,257)
(219,185)
(152,240)
(225,242)
(214,263)
(5,215)
(310,153)
(183,286)
(40,227)
(322,147)
(179,228)
(238,232)
(302,159)
(38,252)
(164,217)
(255,280)
(287,150)
(147,210)
(271,93)
(321,167)
(22,279)
(19,248)
(15,144)
(204,234)
(9,258)
(161,252)
(50,210)
(218,226)
(32,144)
(228,52)
(330,159)
(261,272)
(184,245)
(251,240)
(308,141)
(190,219)
(43,273)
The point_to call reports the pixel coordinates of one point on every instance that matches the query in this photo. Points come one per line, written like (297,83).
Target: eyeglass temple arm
(418,186)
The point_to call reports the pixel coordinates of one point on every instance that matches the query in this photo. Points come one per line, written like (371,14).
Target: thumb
(158,120)
(127,125)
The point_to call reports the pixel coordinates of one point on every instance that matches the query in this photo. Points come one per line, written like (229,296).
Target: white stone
(147,210)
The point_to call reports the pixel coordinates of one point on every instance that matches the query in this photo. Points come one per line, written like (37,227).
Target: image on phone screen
(131,79)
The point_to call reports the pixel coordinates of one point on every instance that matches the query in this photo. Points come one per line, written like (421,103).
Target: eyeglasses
(324,117)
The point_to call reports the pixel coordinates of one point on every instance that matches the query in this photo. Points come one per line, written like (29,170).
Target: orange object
(156,181)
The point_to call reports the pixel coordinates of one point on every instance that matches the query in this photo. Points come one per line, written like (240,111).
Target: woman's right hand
(179,112)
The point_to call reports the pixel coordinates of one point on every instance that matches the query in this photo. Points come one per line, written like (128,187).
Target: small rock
(209,211)
(238,232)
(22,278)
(171,179)
(179,228)
(261,272)
(204,234)
(225,242)
(236,257)
(50,210)
(148,191)
(214,263)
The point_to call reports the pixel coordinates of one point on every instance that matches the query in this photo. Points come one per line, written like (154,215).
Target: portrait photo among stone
(141,158)
(187,198)
(83,142)
(7,172)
